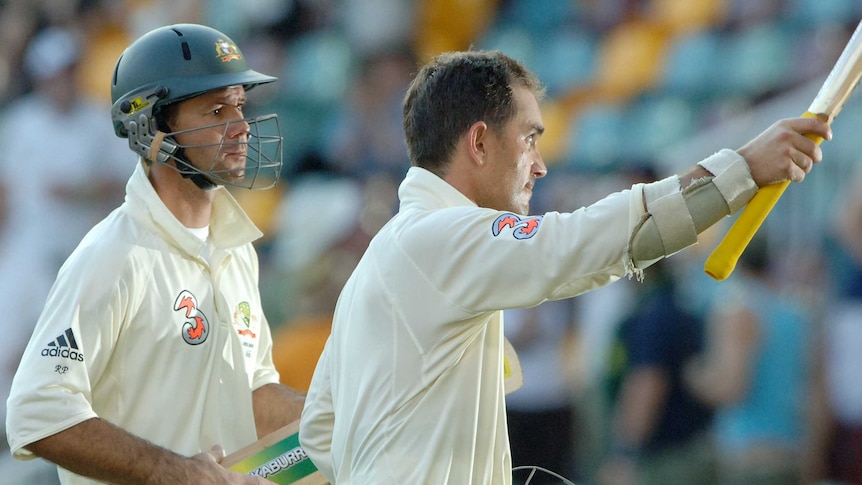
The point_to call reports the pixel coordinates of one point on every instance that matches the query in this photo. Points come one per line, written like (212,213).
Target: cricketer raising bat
(826,105)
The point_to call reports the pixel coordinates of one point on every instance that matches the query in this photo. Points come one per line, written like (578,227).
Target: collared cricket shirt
(409,388)
(143,332)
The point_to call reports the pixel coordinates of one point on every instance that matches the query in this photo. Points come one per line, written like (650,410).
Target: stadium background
(631,83)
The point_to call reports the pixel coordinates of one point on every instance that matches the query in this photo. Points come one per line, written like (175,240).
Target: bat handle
(722,261)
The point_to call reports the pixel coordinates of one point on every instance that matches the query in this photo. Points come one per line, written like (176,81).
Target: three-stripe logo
(65,346)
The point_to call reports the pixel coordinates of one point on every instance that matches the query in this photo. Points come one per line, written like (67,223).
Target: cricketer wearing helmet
(152,356)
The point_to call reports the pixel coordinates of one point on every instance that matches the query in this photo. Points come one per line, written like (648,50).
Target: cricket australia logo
(227,51)
(521,227)
(243,314)
(196,327)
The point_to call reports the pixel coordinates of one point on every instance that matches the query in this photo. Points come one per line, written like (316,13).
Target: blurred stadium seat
(631,59)
(594,137)
(567,59)
(757,60)
(681,17)
(654,122)
(693,66)
(539,17)
(447,25)
(805,13)
(515,41)
(554,141)
(318,66)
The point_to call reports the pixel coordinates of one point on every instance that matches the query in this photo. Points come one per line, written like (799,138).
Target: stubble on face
(512,152)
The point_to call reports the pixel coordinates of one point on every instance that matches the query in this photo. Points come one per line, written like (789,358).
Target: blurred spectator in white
(145,15)
(61,170)
(754,371)
(323,227)
(373,25)
(369,137)
(315,223)
(319,211)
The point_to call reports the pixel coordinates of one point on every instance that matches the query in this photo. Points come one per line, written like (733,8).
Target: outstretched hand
(785,150)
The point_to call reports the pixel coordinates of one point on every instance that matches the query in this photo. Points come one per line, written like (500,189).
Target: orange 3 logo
(197,327)
(521,227)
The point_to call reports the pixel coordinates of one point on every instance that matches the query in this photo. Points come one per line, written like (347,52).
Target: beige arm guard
(675,217)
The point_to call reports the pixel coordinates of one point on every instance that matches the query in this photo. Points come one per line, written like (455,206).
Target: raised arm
(723,183)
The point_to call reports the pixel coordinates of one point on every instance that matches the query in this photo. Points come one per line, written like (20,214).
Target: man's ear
(477,138)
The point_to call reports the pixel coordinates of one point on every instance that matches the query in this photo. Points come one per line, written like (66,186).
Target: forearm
(642,398)
(100,450)
(678,209)
(275,406)
(721,376)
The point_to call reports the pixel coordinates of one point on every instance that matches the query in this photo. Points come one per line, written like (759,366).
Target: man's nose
(539,168)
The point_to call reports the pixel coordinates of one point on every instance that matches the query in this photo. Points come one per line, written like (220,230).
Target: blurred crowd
(749,381)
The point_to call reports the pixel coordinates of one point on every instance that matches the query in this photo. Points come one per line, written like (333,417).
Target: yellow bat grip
(722,261)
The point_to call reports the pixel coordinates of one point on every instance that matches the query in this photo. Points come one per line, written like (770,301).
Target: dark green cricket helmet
(168,65)
(173,63)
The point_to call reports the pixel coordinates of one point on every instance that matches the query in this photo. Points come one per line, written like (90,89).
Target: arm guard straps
(675,217)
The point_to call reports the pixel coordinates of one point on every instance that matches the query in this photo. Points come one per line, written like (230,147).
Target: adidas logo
(64,346)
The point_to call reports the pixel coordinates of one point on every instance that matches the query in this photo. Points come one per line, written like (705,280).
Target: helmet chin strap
(198,178)
(178,155)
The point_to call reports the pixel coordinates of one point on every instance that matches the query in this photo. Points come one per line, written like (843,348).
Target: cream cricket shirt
(409,388)
(140,331)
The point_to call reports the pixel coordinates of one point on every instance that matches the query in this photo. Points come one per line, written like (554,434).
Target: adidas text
(66,353)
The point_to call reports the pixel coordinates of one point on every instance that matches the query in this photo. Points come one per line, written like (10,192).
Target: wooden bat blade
(836,89)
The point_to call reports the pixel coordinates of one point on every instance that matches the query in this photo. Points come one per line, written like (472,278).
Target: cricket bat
(827,104)
(278,457)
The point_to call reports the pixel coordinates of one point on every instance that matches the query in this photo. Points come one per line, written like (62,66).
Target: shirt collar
(229,225)
(423,189)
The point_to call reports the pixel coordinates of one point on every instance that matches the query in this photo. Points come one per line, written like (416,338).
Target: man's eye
(217,111)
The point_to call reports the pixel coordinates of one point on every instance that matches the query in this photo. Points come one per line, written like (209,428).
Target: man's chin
(234,176)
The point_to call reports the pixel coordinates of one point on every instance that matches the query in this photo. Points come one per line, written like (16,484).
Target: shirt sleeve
(497,260)
(265,372)
(263,369)
(68,351)
(318,418)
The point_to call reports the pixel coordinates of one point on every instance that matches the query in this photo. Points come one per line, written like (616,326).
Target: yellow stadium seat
(681,17)
(553,142)
(100,56)
(296,348)
(260,205)
(447,25)
(631,60)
